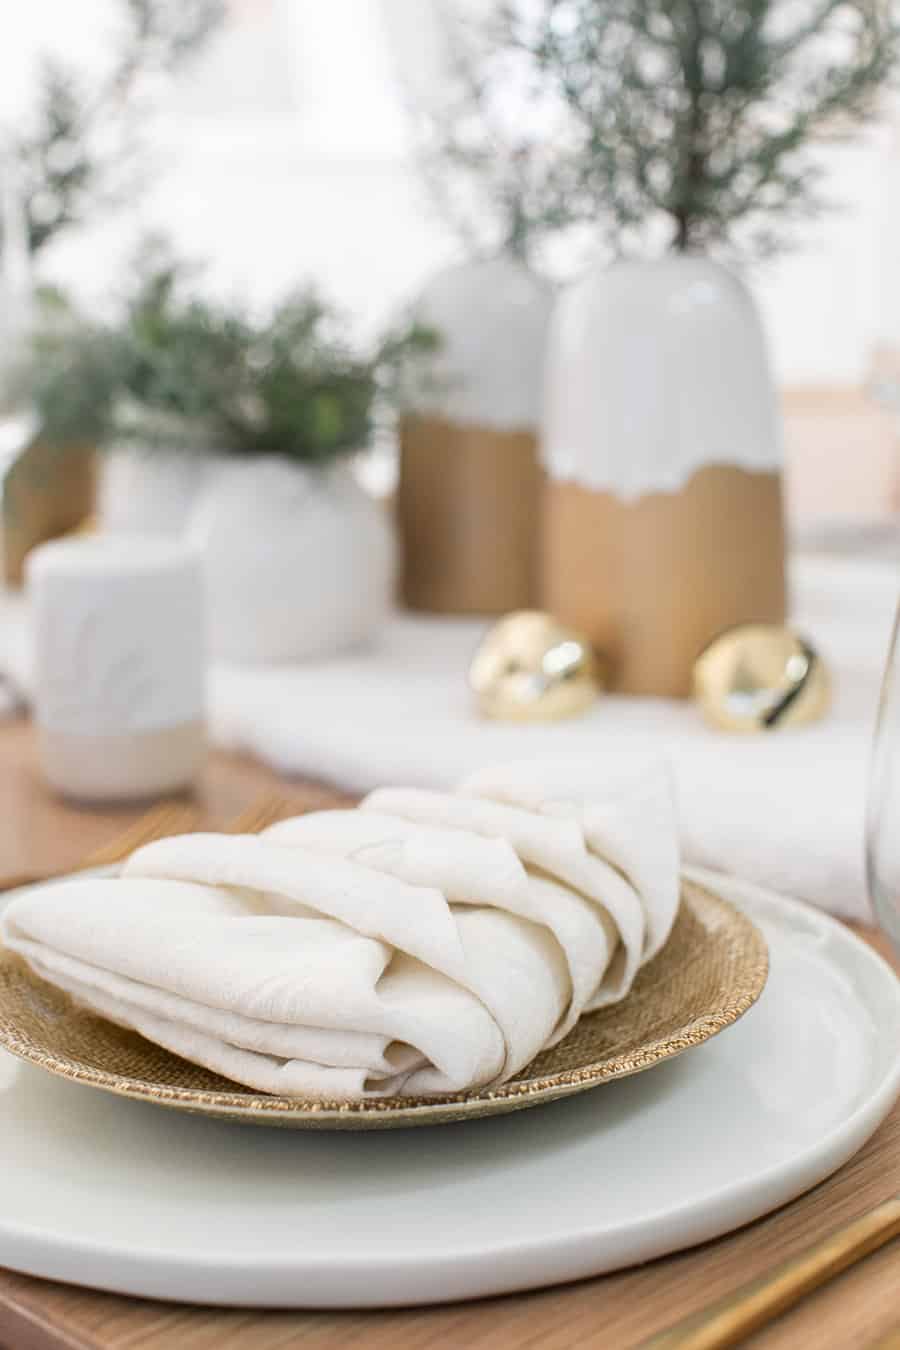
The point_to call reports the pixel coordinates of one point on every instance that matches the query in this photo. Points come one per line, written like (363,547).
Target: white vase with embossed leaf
(119,665)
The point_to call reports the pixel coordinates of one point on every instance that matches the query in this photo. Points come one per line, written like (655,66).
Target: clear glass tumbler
(883,816)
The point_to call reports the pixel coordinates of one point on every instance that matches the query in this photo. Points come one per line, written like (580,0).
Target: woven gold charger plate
(711,971)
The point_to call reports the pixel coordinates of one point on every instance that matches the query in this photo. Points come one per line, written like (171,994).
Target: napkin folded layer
(425,943)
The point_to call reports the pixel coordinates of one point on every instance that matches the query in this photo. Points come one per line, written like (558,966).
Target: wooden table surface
(610,1313)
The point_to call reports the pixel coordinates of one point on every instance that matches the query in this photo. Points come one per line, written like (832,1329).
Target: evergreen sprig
(693,114)
(183,372)
(490,145)
(80,152)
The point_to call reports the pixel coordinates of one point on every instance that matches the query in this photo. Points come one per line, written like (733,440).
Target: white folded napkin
(426,943)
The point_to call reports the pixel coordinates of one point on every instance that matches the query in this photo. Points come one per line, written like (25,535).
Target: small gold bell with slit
(760,677)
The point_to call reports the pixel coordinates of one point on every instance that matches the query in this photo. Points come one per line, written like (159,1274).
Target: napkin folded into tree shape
(423,943)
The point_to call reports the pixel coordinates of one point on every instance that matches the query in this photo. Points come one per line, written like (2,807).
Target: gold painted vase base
(651,580)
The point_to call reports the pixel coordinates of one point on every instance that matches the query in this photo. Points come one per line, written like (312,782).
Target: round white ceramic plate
(111,1193)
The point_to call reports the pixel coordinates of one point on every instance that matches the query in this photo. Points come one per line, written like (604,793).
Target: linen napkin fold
(425,943)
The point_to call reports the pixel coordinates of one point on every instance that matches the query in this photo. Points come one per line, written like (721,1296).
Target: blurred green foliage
(690,121)
(182,372)
(80,152)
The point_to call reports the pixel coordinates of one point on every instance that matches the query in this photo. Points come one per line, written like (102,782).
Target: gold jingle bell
(529,668)
(760,677)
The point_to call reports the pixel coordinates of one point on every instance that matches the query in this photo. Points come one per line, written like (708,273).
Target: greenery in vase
(489,144)
(688,118)
(80,152)
(183,372)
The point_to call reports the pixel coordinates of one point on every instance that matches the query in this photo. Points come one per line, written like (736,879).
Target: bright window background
(283,155)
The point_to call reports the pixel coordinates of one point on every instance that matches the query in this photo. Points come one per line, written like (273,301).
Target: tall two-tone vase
(45,490)
(469,491)
(661,440)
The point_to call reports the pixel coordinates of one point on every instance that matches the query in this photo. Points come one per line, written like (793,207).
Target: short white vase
(299,561)
(143,491)
(119,665)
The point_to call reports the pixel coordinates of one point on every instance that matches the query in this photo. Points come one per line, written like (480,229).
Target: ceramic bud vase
(662,445)
(151,491)
(299,560)
(468,496)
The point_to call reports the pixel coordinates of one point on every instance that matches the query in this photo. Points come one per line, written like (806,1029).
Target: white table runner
(786,810)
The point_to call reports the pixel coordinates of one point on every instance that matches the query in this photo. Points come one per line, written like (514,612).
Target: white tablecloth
(785,810)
